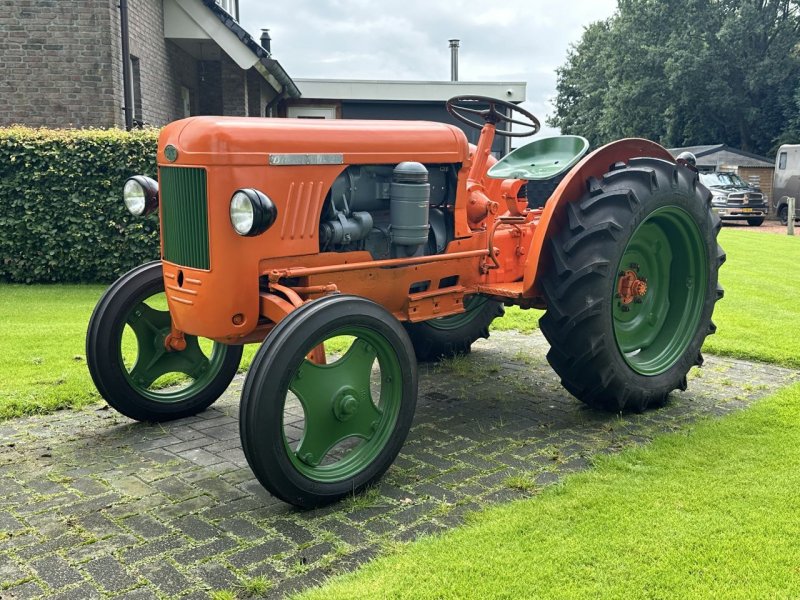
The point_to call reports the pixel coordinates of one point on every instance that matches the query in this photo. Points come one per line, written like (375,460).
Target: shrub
(61,213)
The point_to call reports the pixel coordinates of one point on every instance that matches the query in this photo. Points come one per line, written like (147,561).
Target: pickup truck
(733,199)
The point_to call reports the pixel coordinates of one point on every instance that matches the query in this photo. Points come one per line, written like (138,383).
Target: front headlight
(252,212)
(140,195)
(719,199)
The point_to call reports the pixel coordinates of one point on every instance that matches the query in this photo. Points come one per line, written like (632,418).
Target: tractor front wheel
(452,336)
(129,361)
(631,285)
(315,431)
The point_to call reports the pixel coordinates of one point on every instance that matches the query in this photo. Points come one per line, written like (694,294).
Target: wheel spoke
(146,370)
(146,321)
(337,402)
(150,327)
(473,111)
(515,121)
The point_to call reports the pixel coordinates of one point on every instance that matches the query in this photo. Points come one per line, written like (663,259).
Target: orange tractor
(351,249)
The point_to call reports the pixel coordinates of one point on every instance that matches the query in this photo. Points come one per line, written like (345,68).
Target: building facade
(63,63)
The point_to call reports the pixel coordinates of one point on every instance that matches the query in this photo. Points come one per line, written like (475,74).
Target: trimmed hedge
(62,218)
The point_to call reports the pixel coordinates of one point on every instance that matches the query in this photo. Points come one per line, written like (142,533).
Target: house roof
(716,155)
(409,91)
(190,21)
(272,66)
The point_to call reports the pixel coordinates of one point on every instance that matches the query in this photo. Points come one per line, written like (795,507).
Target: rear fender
(571,189)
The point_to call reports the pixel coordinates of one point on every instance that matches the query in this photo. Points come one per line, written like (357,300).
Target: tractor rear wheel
(631,285)
(451,336)
(129,362)
(314,433)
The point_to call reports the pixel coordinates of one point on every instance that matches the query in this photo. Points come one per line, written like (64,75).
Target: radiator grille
(184,216)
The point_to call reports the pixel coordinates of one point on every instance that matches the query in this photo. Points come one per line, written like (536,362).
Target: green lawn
(759,317)
(43,363)
(43,367)
(712,513)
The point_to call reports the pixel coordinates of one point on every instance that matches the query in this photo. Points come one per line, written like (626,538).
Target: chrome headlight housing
(140,195)
(252,212)
(719,199)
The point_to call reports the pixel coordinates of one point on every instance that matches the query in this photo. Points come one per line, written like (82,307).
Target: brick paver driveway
(93,505)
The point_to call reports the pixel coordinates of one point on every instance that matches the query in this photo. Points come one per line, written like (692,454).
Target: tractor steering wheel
(458,106)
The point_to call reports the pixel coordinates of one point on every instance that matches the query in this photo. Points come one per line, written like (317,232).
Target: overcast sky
(505,40)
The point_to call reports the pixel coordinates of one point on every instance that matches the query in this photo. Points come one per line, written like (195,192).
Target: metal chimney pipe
(266,40)
(454,60)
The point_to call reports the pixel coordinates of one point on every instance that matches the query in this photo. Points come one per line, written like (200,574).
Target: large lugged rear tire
(137,389)
(454,335)
(631,285)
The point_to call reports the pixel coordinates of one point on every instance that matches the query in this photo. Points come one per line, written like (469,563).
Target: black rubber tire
(264,393)
(783,214)
(431,343)
(105,364)
(580,276)
(755,222)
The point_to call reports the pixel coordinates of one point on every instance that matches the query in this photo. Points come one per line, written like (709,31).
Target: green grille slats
(184,216)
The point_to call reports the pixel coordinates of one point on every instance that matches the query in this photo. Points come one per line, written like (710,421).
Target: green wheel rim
(345,426)
(667,251)
(472,306)
(151,327)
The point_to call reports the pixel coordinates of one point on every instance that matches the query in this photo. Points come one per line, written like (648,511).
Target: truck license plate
(746,210)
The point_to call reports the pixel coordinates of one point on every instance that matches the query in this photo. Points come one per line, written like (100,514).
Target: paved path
(95,505)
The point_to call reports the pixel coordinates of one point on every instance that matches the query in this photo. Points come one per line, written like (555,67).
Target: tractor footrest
(432,304)
(505,290)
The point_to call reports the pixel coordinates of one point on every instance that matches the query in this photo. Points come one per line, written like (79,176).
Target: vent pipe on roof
(266,40)
(454,60)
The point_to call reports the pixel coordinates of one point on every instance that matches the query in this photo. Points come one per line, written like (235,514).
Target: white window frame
(311,112)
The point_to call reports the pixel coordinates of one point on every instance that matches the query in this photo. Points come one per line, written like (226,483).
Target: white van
(786,183)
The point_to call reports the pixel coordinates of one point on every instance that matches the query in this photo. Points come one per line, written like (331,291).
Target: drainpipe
(127,87)
(272,103)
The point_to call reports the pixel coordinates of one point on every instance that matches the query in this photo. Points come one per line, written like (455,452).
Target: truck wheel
(453,335)
(783,214)
(130,365)
(631,285)
(315,433)
(755,222)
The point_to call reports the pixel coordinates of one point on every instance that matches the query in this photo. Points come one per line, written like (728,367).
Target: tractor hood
(242,140)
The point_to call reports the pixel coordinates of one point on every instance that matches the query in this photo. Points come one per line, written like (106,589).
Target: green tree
(686,72)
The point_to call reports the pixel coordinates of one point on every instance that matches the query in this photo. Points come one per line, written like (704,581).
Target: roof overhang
(408,91)
(196,20)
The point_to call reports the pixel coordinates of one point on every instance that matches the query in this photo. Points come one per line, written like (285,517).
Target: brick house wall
(56,62)
(163,67)
(61,66)
(234,88)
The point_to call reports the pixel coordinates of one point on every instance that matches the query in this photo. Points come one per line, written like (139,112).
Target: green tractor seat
(541,159)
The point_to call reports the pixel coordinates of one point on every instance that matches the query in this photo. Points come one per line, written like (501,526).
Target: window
(782,160)
(136,86)
(312,112)
(230,7)
(186,101)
